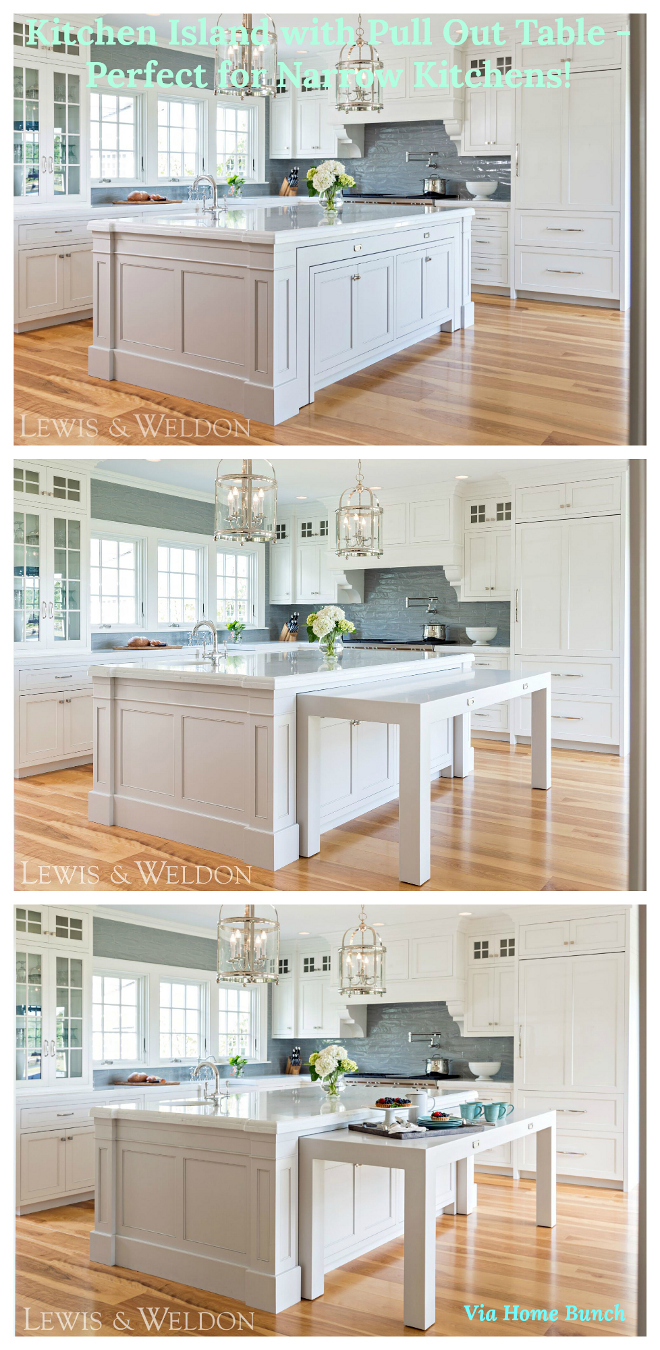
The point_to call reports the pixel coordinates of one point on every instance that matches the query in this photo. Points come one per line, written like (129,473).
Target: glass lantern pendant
(362,960)
(359,522)
(246,503)
(248,948)
(252,61)
(358,86)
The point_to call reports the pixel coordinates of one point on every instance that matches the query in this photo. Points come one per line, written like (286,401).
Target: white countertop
(111,656)
(279,220)
(283,1111)
(302,667)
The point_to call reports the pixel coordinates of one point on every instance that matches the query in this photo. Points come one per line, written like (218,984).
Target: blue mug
(471,1110)
(496,1110)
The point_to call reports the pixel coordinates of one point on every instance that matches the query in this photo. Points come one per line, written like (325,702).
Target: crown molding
(148,485)
(141,921)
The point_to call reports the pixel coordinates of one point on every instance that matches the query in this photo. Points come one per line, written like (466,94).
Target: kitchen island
(255,307)
(205,754)
(207,1194)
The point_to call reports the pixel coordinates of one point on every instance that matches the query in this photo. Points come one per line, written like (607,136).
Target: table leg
(308,785)
(419,1242)
(463,752)
(546,1177)
(311,1237)
(414,803)
(541,735)
(466,1191)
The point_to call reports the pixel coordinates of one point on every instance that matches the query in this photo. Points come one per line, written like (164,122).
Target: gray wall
(385,1047)
(384,612)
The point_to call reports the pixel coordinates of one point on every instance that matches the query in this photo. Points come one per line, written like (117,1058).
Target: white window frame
(253,582)
(172,625)
(252,109)
(255,1008)
(183,976)
(135,94)
(140,573)
(184,96)
(121,971)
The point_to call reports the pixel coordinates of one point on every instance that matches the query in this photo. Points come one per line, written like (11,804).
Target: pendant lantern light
(359,522)
(246,503)
(254,63)
(358,86)
(248,947)
(362,960)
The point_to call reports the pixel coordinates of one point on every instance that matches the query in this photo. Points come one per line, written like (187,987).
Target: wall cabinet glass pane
(26,131)
(29,1012)
(27,544)
(68,1017)
(48,131)
(50,590)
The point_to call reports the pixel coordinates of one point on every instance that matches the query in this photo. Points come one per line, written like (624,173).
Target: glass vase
(332,1086)
(331,646)
(332,201)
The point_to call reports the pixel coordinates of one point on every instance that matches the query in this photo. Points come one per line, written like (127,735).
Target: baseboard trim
(52,765)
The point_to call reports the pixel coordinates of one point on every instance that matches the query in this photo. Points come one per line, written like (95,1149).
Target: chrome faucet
(209,1064)
(206,178)
(208,623)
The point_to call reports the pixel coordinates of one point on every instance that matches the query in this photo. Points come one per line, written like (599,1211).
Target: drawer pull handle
(559,717)
(482,269)
(564,229)
(570,1153)
(566,675)
(483,241)
(565,271)
(64,677)
(64,1113)
(356,277)
(571,1111)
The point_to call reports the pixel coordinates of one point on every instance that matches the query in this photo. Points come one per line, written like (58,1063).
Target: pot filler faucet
(433,1037)
(416,601)
(209,1064)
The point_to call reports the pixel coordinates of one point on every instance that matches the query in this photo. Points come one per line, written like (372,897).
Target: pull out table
(415,706)
(418,1159)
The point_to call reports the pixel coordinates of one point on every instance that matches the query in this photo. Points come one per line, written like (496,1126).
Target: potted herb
(237,1064)
(235,185)
(236,629)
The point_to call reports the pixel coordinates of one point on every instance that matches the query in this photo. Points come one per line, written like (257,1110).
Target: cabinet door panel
(309,573)
(541,503)
(40,733)
(409,292)
(397,959)
(437,283)
(547,938)
(336,762)
(480,1014)
(43,1170)
(540,136)
(280,573)
(78,714)
(376,1199)
(78,286)
(374,309)
(430,521)
(394,525)
(544,1012)
(281,129)
(283,1008)
(500,574)
(431,957)
(311,1007)
(503,982)
(334,341)
(79,1165)
(593,153)
(502,118)
(593,585)
(477,566)
(340,1207)
(40,282)
(309,125)
(597,1021)
(540,588)
(477,120)
(598,935)
(595,497)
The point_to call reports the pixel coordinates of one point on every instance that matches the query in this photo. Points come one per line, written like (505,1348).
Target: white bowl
(482,190)
(484,1069)
(481,636)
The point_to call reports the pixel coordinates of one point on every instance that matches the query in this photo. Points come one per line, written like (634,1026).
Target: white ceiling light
(246,503)
(248,947)
(253,63)
(362,960)
(462,475)
(358,88)
(359,522)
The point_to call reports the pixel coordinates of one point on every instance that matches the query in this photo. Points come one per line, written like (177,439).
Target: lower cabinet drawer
(491,719)
(586,1155)
(43,679)
(43,1117)
(550,227)
(579,1113)
(495,242)
(574,719)
(490,218)
(574,677)
(570,273)
(69,232)
(490,271)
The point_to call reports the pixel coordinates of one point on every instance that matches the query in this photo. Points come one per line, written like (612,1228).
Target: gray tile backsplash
(384,612)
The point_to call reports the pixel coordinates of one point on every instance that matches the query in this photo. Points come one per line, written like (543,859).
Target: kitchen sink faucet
(206,178)
(215,655)
(209,1064)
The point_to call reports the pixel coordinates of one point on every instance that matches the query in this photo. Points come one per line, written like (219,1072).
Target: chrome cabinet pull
(50,163)
(69,231)
(520,1042)
(565,271)
(516,606)
(43,609)
(63,677)
(517,161)
(571,1153)
(559,717)
(50,609)
(571,1111)
(43,163)
(566,675)
(563,229)
(355,277)
(45,1049)
(64,1113)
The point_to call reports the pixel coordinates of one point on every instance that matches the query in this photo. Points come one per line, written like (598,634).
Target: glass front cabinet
(51,543)
(50,143)
(53,988)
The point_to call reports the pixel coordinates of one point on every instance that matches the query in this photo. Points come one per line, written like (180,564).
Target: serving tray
(167,201)
(153,647)
(403,1133)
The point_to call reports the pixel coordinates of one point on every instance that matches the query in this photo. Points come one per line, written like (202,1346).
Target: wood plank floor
(527,373)
(495,1256)
(489,831)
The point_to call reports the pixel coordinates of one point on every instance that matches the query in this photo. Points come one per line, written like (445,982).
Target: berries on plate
(393,1101)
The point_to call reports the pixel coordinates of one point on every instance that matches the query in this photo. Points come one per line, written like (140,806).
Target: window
(178,583)
(233,141)
(280,531)
(235,587)
(178,138)
(114,580)
(235,1023)
(180,1019)
(113,136)
(116,1032)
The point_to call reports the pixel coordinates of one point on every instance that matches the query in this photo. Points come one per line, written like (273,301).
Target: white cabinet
(318,1015)
(281,126)
(423,287)
(52,1017)
(50,281)
(310,568)
(55,1162)
(429,521)
(490,998)
(78,285)
(353,313)
(37,484)
(556,501)
(502,1156)
(394,524)
(50,574)
(283,1008)
(53,926)
(487,512)
(572,1019)
(50,130)
(359,761)
(567,587)
(489,114)
(54,727)
(281,573)
(431,957)
(487,565)
(606,933)
(569,143)
(315,137)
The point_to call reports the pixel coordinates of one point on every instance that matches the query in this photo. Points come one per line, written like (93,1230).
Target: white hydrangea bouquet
(327,627)
(326,180)
(328,1067)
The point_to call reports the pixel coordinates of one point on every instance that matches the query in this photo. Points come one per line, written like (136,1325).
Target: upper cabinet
(41,484)
(567,587)
(488,512)
(489,113)
(51,146)
(563,937)
(569,141)
(53,925)
(588,497)
(487,565)
(572,1022)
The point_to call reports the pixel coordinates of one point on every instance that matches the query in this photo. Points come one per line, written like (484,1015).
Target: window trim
(184,96)
(104,88)
(255,1020)
(254,138)
(140,584)
(253,581)
(170,625)
(142,1015)
(183,976)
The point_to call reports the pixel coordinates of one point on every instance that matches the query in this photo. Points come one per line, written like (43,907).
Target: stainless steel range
(416,1080)
(400,644)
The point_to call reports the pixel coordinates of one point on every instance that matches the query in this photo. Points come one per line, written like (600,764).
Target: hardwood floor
(489,831)
(494,1257)
(528,373)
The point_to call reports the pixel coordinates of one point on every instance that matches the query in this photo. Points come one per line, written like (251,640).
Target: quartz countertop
(301,668)
(278,220)
(282,1111)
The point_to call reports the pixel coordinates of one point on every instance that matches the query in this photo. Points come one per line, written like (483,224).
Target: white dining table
(418,1159)
(415,705)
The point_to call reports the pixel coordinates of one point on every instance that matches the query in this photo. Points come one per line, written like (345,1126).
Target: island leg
(546,1177)
(419,1242)
(414,801)
(541,736)
(466,1191)
(308,787)
(463,752)
(311,1222)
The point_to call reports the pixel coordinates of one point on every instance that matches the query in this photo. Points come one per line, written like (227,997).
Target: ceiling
(315,477)
(311,918)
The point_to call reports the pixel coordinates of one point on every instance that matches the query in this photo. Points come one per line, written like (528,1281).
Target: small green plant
(235,628)
(238,1064)
(234,182)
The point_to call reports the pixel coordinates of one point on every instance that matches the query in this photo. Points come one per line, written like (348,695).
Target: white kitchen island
(254,308)
(208,1195)
(206,754)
